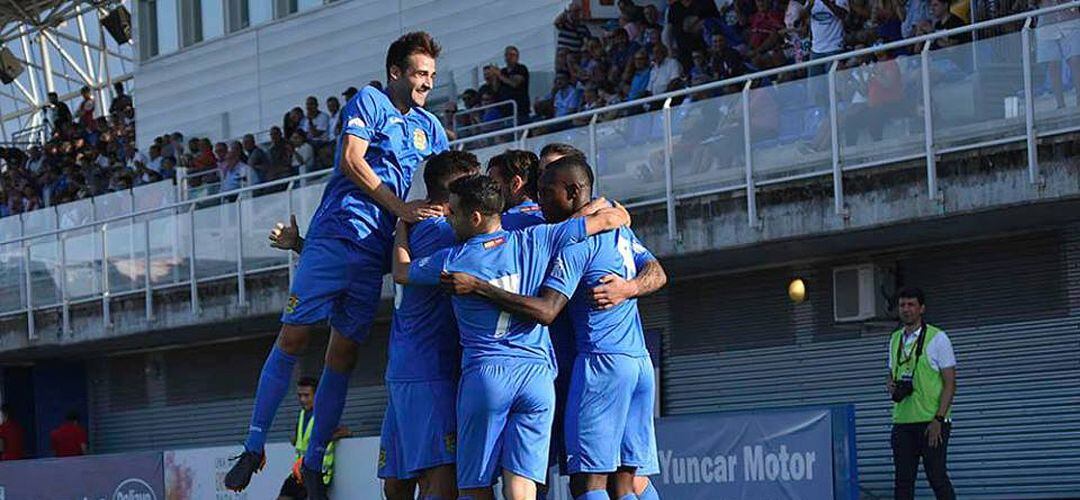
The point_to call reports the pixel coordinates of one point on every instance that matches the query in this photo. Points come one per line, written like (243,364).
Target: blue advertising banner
(129,476)
(785,454)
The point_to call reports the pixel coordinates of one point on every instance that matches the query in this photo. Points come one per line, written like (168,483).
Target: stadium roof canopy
(62,47)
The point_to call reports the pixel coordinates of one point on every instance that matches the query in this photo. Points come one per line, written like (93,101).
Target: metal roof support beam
(46,62)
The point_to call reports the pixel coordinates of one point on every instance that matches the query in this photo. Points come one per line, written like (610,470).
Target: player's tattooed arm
(614,290)
(607,219)
(402,257)
(542,309)
(357,169)
(288,237)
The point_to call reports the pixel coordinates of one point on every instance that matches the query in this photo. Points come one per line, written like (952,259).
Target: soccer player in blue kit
(385,136)
(609,430)
(516,171)
(505,397)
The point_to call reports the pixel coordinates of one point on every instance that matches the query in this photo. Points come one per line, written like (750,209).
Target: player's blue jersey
(578,269)
(525,215)
(423,331)
(397,145)
(513,261)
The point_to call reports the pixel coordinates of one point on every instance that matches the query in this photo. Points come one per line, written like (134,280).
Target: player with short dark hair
(555,150)
(609,429)
(505,398)
(386,134)
(516,171)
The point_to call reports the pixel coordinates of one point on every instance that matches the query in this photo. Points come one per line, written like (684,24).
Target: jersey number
(509,283)
(626,249)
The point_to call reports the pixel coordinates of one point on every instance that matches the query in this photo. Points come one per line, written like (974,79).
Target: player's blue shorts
(505,409)
(609,414)
(340,280)
(419,430)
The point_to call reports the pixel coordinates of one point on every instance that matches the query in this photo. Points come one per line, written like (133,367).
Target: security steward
(922,383)
(293,489)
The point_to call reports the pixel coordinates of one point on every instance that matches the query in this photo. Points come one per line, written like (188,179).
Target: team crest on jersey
(419,139)
(290,306)
(450,442)
(488,245)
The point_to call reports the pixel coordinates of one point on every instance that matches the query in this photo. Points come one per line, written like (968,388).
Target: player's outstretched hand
(613,290)
(285,237)
(418,210)
(460,283)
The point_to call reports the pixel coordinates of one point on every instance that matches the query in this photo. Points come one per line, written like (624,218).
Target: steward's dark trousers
(909,444)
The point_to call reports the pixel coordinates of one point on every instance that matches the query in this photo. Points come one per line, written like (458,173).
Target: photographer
(922,383)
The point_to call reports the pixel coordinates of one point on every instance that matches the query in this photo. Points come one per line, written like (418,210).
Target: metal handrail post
(593,160)
(1029,105)
(751,191)
(241,289)
(194,285)
(288,195)
(834,129)
(146,270)
(65,318)
(669,187)
(31,331)
(928,124)
(524,136)
(106,318)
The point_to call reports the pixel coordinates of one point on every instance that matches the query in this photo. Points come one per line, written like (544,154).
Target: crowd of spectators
(501,101)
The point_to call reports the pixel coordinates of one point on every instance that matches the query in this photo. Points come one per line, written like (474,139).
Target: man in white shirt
(34,160)
(334,108)
(664,70)
(303,154)
(135,156)
(315,123)
(155,158)
(922,383)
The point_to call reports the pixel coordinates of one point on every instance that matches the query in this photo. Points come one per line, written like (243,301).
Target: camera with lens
(903,388)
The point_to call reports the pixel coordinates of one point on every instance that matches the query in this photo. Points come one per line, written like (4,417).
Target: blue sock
(593,495)
(329,403)
(629,496)
(273,384)
(649,493)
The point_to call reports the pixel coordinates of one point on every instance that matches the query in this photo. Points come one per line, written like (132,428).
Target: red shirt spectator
(765,23)
(86,108)
(69,439)
(12,435)
(885,85)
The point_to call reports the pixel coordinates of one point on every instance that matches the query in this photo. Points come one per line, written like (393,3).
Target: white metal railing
(476,114)
(686,148)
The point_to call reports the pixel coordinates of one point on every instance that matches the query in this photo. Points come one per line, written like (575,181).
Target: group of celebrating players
(515,338)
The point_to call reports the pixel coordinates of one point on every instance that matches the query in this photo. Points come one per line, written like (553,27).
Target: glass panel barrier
(305,201)
(170,236)
(112,204)
(577,137)
(125,244)
(12,278)
(1055,84)
(39,221)
(789,128)
(82,250)
(879,109)
(45,271)
(259,216)
(10,228)
(707,143)
(215,240)
(972,88)
(630,157)
(153,195)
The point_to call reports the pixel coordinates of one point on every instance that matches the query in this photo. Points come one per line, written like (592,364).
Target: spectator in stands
(638,76)
(291,121)
(664,70)
(155,158)
(916,13)
(349,93)
(684,25)
(173,145)
(620,53)
(86,107)
(333,108)
(515,77)
(121,102)
(1057,39)
(35,160)
(826,30)
(572,32)
(766,36)
(281,154)
(724,61)
(493,85)
(59,113)
(12,436)
(69,439)
(255,157)
(134,157)
(168,167)
(943,19)
(236,174)
(565,97)
(315,124)
(303,158)
(922,384)
(492,114)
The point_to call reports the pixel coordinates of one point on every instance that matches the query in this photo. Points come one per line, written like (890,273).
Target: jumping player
(505,398)
(385,136)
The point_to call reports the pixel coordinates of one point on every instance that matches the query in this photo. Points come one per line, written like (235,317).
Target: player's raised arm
(650,277)
(607,219)
(402,258)
(542,309)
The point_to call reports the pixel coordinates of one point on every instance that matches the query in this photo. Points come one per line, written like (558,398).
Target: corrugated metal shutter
(1010,307)
(202,395)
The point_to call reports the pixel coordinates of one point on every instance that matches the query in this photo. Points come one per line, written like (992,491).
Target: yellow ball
(797,290)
